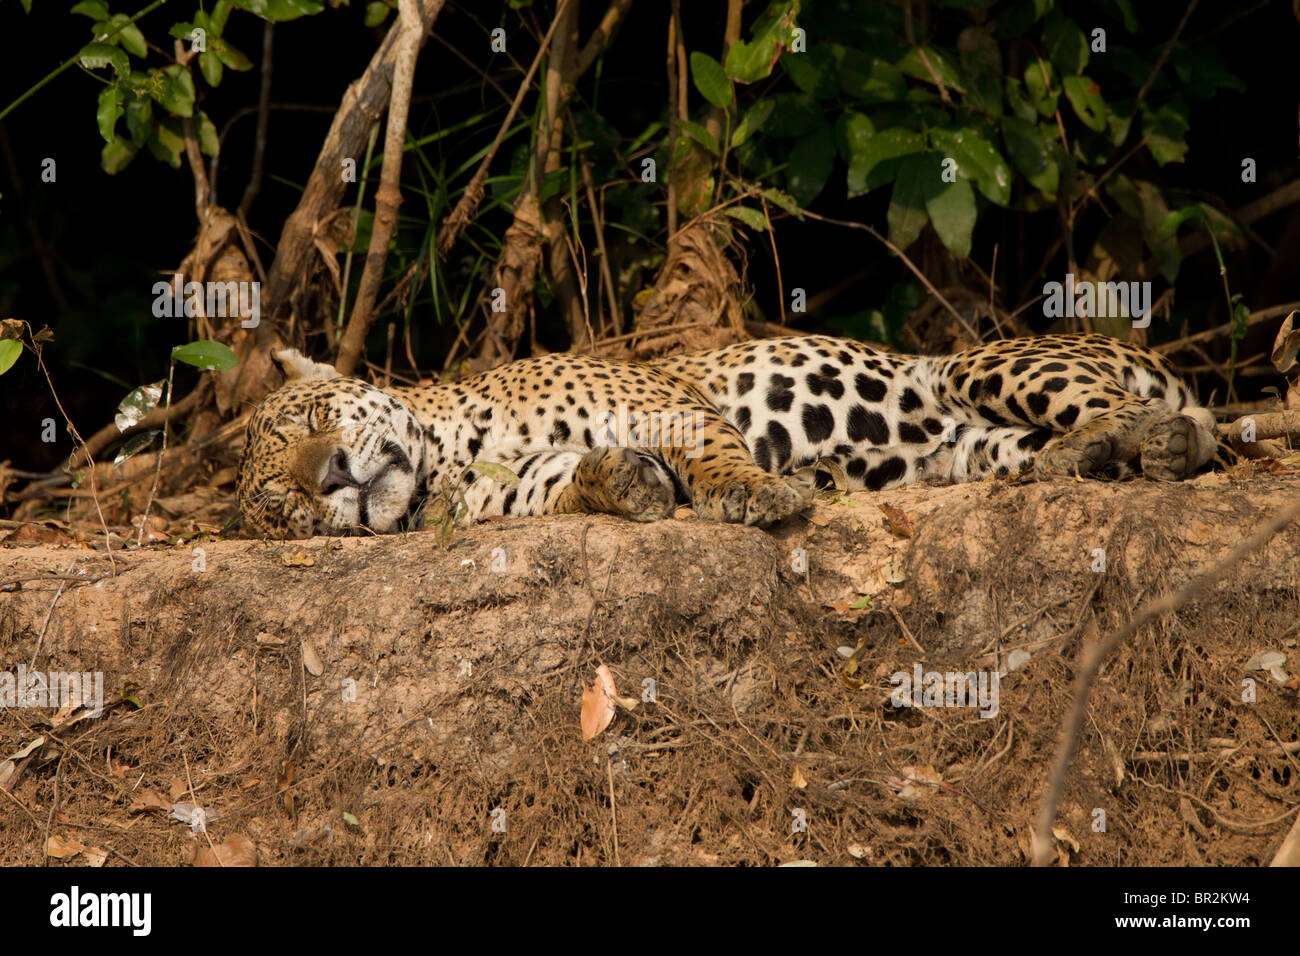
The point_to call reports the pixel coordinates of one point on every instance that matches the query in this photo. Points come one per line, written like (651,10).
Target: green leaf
(176,91)
(350,819)
(211,68)
(810,164)
(878,159)
(813,72)
(752,121)
(95,55)
(1029,152)
(1143,202)
(751,217)
(96,9)
(1166,132)
(139,119)
(853,131)
(1129,14)
(1204,72)
(1020,16)
(108,110)
(784,200)
(748,62)
(231,57)
(1020,104)
(376,13)
(1067,47)
(907,214)
(280,10)
(129,35)
(701,135)
(217,18)
(10,349)
(205,354)
(115,156)
(206,131)
(868,78)
(976,160)
(710,79)
(1042,93)
(1180,216)
(167,142)
(941,66)
(793,114)
(1085,96)
(498,473)
(952,210)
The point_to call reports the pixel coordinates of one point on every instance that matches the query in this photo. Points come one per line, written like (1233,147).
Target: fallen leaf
(62,847)
(818,516)
(598,707)
(27,749)
(149,800)
(236,850)
(177,788)
(797,780)
(95,856)
(298,559)
(893,573)
(270,640)
(311,661)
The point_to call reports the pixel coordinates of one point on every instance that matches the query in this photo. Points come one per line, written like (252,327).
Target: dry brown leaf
(298,559)
(149,800)
(236,850)
(28,748)
(31,534)
(818,516)
(95,856)
(598,706)
(311,660)
(63,847)
(177,788)
(797,779)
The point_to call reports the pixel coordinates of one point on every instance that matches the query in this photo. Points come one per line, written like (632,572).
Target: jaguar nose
(337,474)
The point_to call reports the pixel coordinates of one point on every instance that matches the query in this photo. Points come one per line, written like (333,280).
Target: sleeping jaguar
(732,431)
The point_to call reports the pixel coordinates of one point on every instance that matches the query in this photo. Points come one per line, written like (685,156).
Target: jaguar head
(329,455)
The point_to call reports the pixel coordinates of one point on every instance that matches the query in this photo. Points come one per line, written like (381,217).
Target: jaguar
(737,432)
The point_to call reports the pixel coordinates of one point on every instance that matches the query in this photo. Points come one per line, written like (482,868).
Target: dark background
(81,255)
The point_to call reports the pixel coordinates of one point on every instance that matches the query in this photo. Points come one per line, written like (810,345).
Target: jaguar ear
(297,366)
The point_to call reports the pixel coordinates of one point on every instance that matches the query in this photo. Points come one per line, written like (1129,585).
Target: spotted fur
(329,455)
